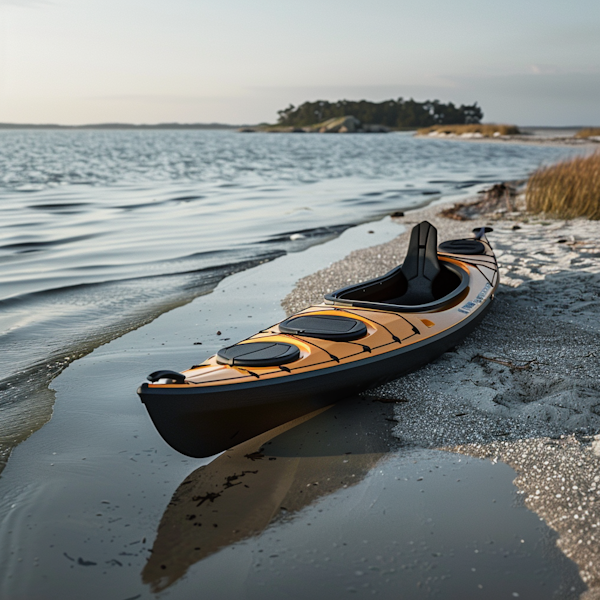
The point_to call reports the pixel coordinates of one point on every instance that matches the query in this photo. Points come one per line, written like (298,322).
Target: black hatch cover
(462,247)
(258,354)
(325,327)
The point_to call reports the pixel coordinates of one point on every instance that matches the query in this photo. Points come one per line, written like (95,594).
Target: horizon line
(117,125)
(178,125)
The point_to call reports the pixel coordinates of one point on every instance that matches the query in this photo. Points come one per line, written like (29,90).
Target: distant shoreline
(121,126)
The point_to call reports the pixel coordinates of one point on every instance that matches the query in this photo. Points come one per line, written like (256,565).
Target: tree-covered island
(429,118)
(393,114)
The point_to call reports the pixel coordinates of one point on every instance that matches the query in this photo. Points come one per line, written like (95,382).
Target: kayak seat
(420,267)
(258,354)
(422,282)
(325,327)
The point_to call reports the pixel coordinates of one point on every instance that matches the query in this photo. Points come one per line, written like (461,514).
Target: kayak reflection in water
(266,480)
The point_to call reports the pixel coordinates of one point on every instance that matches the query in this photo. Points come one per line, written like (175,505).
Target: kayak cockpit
(423,282)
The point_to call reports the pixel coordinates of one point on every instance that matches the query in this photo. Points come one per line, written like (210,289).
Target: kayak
(363,335)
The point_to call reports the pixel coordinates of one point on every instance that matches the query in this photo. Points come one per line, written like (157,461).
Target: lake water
(102,231)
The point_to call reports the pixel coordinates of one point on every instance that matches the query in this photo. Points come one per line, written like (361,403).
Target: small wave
(138,205)
(316,232)
(365,201)
(31,246)
(155,203)
(187,198)
(454,182)
(59,206)
(74,294)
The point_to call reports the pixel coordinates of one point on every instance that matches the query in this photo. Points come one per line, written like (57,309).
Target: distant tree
(392,113)
(286,112)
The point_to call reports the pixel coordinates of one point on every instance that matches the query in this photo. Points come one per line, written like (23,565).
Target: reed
(588,132)
(568,189)
(485,130)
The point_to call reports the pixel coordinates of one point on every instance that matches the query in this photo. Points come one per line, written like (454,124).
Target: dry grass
(487,130)
(588,132)
(568,189)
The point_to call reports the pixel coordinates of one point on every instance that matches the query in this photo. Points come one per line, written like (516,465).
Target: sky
(534,62)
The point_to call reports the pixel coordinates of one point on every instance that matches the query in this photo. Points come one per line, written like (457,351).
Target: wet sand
(364,498)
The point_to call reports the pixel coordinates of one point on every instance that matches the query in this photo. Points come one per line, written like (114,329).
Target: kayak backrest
(422,282)
(421,266)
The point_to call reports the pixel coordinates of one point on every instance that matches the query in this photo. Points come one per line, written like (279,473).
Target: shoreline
(519,139)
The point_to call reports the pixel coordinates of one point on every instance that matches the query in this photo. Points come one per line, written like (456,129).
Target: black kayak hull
(201,422)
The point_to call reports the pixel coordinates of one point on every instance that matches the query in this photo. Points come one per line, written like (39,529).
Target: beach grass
(484,130)
(568,189)
(588,132)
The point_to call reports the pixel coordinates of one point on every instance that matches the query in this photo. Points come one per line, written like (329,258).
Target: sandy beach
(529,135)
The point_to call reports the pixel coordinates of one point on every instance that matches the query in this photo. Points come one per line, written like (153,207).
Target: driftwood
(501,197)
